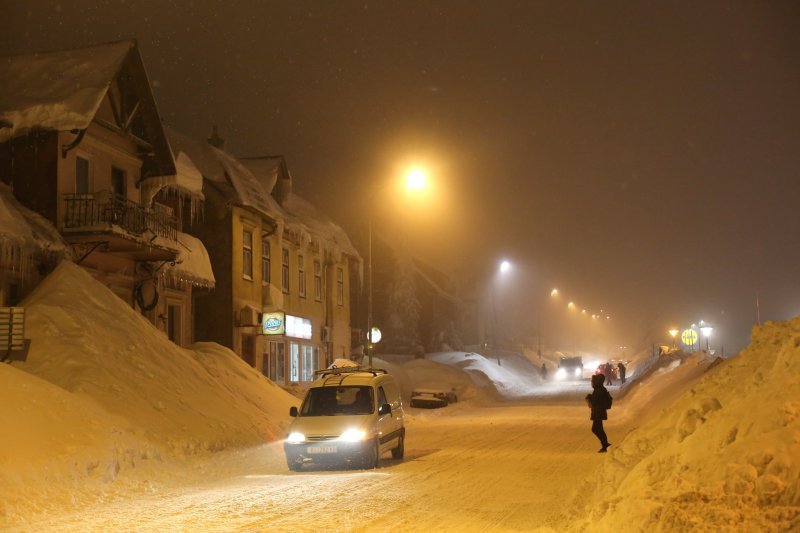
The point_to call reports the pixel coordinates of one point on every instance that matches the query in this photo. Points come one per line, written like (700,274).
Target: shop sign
(273,323)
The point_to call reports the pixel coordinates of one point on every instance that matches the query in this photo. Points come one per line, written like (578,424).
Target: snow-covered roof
(193,264)
(57,90)
(326,233)
(25,234)
(218,166)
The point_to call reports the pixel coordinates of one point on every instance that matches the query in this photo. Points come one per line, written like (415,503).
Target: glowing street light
(554,293)
(706,329)
(416,182)
(674,332)
(504,268)
(571,306)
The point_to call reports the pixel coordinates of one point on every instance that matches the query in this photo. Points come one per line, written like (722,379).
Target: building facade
(88,153)
(282,268)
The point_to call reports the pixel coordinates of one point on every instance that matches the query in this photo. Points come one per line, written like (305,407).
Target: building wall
(214,310)
(104,149)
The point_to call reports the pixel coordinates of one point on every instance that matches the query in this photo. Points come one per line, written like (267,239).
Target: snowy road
(504,468)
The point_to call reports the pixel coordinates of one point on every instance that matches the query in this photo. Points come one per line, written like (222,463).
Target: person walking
(543,371)
(621,372)
(600,402)
(608,371)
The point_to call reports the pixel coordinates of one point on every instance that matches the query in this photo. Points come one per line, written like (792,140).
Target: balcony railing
(83,210)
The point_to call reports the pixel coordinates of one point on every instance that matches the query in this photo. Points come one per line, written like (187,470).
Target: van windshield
(331,401)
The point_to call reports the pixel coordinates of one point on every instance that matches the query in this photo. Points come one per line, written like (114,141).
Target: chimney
(215,140)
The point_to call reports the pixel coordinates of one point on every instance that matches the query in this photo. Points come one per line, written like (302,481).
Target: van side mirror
(293,411)
(385,409)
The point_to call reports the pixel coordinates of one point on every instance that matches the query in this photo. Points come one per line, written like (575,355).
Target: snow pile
(514,377)
(103,392)
(724,456)
(420,372)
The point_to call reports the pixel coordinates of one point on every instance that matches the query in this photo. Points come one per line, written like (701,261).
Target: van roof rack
(348,370)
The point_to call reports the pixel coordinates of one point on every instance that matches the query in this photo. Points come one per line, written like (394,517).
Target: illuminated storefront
(290,355)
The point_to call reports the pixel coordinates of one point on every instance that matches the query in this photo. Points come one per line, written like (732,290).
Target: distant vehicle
(433,395)
(349,416)
(601,369)
(569,368)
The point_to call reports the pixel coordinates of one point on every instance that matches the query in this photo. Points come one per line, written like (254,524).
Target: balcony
(121,225)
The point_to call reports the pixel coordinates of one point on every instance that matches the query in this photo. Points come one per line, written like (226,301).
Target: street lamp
(706,329)
(674,333)
(504,268)
(416,181)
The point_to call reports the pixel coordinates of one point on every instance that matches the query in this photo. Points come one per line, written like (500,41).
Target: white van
(349,416)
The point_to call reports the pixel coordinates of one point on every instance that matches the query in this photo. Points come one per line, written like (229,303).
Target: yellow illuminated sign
(688,337)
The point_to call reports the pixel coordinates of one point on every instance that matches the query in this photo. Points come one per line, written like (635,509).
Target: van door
(386,423)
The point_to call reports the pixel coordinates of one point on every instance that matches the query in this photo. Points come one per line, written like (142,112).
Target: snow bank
(724,456)
(103,390)
(514,377)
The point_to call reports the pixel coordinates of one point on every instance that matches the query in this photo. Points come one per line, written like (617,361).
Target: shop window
(275,361)
(310,361)
(294,362)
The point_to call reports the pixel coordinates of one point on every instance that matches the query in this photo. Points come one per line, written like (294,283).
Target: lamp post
(706,329)
(505,266)
(674,333)
(415,181)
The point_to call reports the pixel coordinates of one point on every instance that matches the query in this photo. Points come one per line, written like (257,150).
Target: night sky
(642,156)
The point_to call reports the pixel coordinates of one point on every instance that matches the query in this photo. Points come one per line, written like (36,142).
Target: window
(318,281)
(340,286)
(247,254)
(265,261)
(118,184)
(81,175)
(275,362)
(294,362)
(301,275)
(285,270)
(310,361)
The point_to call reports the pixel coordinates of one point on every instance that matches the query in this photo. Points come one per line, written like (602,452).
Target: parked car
(569,368)
(349,416)
(433,395)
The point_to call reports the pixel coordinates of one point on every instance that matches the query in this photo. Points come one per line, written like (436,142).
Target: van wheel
(372,455)
(397,453)
(295,465)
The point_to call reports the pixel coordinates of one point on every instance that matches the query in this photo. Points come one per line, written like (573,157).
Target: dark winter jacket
(599,400)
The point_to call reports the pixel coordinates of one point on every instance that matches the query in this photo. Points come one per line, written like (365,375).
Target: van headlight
(295,438)
(561,373)
(578,372)
(353,435)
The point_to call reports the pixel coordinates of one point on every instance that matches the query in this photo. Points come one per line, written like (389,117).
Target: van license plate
(322,449)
